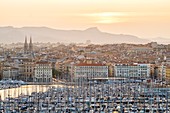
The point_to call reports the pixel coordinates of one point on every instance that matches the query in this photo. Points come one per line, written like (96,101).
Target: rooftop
(86,64)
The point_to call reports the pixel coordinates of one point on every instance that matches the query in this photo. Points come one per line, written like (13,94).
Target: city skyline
(145,19)
(84,56)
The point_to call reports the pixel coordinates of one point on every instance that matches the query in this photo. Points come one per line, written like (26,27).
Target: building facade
(135,70)
(10,73)
(26,69)
(161,72)
(91,70)
(43,72)
(168,74)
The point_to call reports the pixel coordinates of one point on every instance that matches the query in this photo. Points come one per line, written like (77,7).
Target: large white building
(43,72)
(10,72)
(132,70)
(91,70)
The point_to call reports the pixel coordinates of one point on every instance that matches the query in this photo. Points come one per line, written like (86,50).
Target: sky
(143,18)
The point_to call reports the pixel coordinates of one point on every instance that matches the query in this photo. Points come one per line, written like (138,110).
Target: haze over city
(84,56)
(144,19)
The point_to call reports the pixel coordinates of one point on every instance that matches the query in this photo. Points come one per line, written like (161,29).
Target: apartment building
(43,72)
(10,72)
(132,70)
(91,70)
(26,69)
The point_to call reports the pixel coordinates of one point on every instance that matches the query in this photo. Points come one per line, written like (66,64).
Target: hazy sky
(143,18)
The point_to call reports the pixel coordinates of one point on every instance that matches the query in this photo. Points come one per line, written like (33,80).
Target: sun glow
(108,20)
(107,17)
(109,14)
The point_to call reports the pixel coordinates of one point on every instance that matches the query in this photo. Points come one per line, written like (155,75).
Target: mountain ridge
(10,34)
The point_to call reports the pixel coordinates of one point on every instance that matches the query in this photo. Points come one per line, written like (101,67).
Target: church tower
(30,45)
(25,46)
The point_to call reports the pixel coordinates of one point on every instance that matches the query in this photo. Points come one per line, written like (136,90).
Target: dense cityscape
(84,77)
(84,56)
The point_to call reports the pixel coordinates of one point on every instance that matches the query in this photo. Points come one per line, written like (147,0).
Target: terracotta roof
(85,64)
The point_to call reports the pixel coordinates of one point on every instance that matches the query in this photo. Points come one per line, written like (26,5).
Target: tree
(56,73)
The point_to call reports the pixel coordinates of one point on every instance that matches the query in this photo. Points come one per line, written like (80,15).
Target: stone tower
(28,48)
(25,46)
(30,45)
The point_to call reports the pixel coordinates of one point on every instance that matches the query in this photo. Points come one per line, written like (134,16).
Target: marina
(92,96)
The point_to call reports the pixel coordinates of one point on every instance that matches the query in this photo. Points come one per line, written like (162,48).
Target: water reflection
(25,90)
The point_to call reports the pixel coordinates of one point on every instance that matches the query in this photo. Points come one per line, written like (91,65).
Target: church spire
(30,45)
(25,45)
(30,40)
(25,39)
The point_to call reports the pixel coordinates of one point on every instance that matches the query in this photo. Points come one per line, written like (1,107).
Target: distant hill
(44,34)
(161,40)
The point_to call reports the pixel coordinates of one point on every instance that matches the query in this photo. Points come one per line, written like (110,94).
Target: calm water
(25,90)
